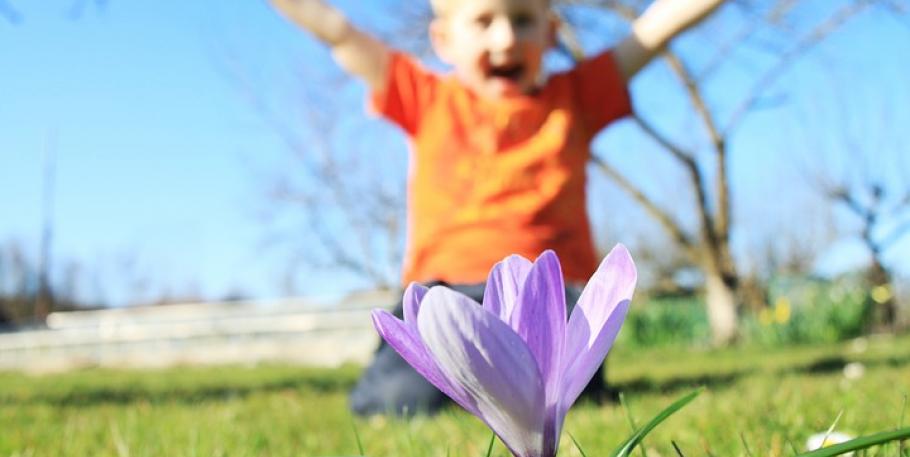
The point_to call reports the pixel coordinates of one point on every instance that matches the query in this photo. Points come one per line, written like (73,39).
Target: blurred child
(498,147)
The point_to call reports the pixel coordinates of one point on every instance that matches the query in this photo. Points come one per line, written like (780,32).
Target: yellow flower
(782,310)
(882,293)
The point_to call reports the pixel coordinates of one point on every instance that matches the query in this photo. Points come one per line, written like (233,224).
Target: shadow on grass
(896,361)
(822,366)
(835,364)
(84,396)
(819,366)
(123,391)
(645,385)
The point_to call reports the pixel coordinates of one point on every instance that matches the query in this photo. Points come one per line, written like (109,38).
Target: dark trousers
(390,386)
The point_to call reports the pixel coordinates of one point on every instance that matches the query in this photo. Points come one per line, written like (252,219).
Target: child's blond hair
(441,7)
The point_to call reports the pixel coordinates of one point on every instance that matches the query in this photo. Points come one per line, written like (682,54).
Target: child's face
(496,46)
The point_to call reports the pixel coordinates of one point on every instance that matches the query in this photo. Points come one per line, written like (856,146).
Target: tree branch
(9,13)
(780,10)
(897,6)
(352,248)
(818,34)
(719,227)
(694,93)
(695,175)
(843,195)
(676,151)
(664,218)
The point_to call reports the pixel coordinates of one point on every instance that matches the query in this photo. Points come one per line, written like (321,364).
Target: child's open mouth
(512,72)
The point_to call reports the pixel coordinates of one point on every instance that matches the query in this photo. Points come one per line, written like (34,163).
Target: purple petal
(411,302)
(540,319)
(596,321)
(504,285)
(406,341)
(586,366)
(485,357)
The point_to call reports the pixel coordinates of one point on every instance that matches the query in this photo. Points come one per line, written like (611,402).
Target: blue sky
(160,152)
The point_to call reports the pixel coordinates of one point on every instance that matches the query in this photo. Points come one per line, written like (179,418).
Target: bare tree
(335,202)
(872,184)
(17,284)
(21,284)
(664,270)
(707,168)
(877,207)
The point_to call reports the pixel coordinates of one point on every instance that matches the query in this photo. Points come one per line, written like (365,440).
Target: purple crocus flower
(515,362)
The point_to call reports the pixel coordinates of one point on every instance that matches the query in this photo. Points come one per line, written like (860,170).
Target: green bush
(802,311)
(666,321)
(809,311)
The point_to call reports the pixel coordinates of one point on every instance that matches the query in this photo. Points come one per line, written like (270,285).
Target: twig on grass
(742,437)
(675,447)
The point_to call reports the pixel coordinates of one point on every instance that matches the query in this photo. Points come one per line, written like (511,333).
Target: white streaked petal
(504,285)
(483,356)
(596,320)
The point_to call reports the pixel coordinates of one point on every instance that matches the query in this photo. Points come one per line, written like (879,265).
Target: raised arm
(358,53)
(659,24)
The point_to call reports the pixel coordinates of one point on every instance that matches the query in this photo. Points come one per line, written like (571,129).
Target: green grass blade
(862,442)
(578,446)
(490,446)
(903,410)
(632,425)
(625,407)
(833,425)
(900,444)
(627,446)
(357,438)
(792,446)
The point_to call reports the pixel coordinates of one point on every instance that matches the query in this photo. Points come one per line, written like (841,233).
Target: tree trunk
(882,312)
(721,301)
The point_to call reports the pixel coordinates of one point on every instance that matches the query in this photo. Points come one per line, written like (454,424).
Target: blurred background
(172,152)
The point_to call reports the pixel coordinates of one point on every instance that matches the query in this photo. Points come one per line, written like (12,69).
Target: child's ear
(439,39)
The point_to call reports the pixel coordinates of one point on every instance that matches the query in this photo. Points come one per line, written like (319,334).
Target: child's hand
(358,53)
(323,21)
(660,23)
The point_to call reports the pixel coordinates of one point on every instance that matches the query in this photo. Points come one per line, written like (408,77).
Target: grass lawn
(764,398)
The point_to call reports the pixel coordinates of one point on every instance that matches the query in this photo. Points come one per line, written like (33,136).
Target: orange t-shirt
(490,178)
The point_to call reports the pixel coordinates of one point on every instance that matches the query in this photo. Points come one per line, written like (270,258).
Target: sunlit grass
(772,400)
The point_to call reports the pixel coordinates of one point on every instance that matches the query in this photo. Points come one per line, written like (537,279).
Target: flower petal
(596,321)
(485,357)
(411,302)
(540,319)
(504,285)
(577,375)
(405,339)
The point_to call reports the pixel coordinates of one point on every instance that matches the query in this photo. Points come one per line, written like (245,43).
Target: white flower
(820,440)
